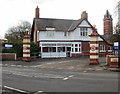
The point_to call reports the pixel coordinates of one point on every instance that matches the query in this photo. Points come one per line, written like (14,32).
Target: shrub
(17,48)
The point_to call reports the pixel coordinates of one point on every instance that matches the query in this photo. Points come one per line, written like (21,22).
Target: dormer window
(50,28)
(50,31)
(83,31)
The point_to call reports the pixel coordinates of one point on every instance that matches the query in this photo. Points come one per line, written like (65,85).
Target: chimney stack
(37,13)
(84,15)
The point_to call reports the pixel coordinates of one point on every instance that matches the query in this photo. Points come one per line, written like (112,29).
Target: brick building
(68,38)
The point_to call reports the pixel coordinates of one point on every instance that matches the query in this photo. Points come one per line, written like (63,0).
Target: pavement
(67,72)
(72,64)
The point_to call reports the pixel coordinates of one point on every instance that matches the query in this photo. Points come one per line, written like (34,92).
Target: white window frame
(102,48)
(83,31)
(74,47)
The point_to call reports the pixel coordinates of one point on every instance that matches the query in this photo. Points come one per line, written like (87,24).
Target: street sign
(8,46)
(116,45)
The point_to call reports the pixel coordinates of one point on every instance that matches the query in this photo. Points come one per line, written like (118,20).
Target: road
(51,80)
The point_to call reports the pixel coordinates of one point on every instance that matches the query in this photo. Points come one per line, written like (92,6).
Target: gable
(80,22)
(84,23)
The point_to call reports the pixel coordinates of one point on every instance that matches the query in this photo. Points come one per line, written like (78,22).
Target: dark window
(72,45)
(45,49)
(83,31)
(76,49)
(76,45)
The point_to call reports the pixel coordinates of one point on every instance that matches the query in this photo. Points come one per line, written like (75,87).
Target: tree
(118,9)
(116,35)
(16,33)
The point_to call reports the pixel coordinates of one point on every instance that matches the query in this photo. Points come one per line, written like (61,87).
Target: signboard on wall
(8,46)
(93,48)
(116,45)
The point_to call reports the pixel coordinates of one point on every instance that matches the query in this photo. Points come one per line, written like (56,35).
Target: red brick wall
(106,49)
(76,55)
(85,48)
(8,56)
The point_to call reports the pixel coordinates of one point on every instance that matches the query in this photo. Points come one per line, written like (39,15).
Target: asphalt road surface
(51,80)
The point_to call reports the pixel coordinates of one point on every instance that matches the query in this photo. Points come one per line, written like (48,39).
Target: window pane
(45,49)
(86,33)
(81,33)
(76,49)
(76,45)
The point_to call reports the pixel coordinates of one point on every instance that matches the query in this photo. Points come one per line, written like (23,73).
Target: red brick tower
(108,26)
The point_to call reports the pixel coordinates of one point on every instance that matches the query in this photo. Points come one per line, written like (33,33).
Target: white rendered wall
(71,35)
(53,54)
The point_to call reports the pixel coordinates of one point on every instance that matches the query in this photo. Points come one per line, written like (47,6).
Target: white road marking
(98,69)
(70,76)
(39,92)
(36,75)
(89,68)
(13,65)
(6,64)
(25,66)
(19,65)
(65,78)
(84,71)
(15,89)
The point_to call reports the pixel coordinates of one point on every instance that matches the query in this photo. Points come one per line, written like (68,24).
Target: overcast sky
(12,11)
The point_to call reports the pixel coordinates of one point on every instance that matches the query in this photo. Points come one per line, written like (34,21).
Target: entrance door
(68,51)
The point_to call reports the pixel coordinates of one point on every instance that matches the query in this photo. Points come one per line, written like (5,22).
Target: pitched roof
(58,24)
(106,37)
(76,23)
